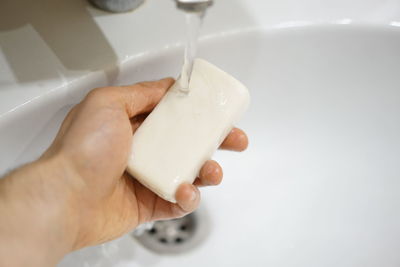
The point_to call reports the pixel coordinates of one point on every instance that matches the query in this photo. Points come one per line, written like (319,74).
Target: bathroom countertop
(48,44)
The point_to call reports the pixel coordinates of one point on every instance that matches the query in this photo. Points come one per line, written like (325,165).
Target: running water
(193,24)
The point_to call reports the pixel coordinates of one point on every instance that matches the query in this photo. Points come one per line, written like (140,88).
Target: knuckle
(97,92)
(179,212)
(93,94)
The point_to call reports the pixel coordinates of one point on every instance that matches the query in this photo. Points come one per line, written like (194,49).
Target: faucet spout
(193,5)
(117,6)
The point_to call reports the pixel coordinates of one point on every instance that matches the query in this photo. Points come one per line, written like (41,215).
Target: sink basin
(319,184)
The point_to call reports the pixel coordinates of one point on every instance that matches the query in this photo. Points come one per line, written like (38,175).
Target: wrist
(37,219)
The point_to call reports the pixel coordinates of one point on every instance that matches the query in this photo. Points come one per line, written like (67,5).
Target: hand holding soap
(185,129)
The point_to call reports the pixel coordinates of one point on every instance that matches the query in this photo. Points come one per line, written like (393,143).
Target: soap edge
(148,186)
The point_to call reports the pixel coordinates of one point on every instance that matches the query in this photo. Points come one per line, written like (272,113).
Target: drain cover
(175,236)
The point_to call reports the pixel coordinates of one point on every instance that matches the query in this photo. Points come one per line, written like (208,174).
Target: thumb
(143,97)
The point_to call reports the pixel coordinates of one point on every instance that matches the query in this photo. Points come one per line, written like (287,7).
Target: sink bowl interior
(319,183)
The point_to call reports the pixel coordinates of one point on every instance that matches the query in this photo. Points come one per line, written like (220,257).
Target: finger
(236,140)
(135,99)
(187,197)
(143,97)
(210,174)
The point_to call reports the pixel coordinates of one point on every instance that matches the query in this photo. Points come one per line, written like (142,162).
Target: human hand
(86,164)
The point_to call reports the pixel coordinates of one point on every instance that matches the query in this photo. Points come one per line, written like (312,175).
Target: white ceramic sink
(320,182)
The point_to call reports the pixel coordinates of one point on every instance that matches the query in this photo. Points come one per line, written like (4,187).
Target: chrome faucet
(117,6)
(127,5)
(193,5)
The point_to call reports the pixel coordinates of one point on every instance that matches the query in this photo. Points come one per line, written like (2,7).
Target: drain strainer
(175,236)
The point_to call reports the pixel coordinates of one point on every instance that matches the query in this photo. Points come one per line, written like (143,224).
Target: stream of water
(193,24)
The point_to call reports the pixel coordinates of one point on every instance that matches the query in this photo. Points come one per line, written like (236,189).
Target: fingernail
(193,195)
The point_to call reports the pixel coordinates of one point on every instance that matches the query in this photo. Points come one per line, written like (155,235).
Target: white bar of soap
(185,129)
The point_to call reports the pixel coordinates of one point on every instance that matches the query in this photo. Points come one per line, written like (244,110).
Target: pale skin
(78,194)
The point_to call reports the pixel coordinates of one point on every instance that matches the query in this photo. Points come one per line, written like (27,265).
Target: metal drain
(175,236)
